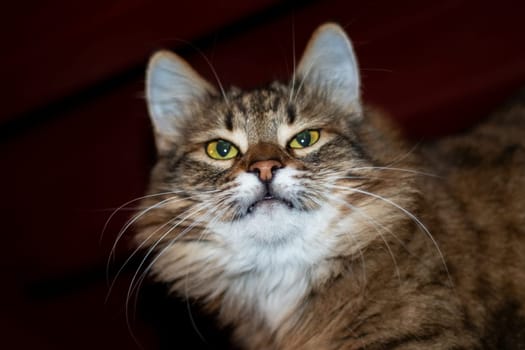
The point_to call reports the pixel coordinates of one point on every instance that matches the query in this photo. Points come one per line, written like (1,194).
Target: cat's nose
(265,169)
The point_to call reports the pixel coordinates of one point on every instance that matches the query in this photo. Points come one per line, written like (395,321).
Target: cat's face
(260,170)
(264,158)
(259,180)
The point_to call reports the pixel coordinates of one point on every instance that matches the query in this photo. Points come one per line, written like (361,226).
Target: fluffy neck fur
(346,241)
(258,269)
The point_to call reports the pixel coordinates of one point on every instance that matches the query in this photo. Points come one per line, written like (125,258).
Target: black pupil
(304,138)
(223,148)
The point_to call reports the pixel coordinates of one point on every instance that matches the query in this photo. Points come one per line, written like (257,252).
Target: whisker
(188,306)
(303,80)
(119,209)
(210,65)
(106,224)
(138,249)
(136,280)
(132,221)
(361,255)
(377,227)
(411,216)
(164,235)
(135,285)
(403,156)
(417,172)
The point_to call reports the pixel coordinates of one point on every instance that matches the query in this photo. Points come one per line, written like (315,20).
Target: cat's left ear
(329,66)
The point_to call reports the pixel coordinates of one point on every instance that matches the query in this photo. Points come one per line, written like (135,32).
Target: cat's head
(268,178)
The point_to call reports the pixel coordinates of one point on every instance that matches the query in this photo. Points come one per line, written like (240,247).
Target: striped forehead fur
(259,113)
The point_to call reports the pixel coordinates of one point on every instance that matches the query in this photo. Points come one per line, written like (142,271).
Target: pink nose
(265,169)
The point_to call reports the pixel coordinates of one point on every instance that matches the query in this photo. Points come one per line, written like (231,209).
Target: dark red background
(75,138)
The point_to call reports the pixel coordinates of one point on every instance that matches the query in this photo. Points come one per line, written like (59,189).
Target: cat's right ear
(172,88)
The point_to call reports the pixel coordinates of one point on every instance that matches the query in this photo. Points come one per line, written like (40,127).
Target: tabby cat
(303,220)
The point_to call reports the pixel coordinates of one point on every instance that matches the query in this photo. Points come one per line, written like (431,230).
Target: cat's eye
(221,150)
(304,139)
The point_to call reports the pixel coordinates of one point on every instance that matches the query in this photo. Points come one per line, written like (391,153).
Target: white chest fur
(264,262)
(274,275)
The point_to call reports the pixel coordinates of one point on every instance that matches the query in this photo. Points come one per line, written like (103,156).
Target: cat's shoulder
(496,143)
(483,168)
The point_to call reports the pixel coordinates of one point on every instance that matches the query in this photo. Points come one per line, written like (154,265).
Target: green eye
(304,139)
(221,150)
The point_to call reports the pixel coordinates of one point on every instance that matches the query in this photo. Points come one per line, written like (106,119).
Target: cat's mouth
(269,201)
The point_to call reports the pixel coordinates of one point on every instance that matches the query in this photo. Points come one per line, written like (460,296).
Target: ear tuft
(329,65)
(172,87)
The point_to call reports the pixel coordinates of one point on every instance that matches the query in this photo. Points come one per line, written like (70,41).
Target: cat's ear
(172,88)
(329,65)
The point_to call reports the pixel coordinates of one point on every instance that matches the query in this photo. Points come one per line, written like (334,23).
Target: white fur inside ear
(329,65)
(171,88)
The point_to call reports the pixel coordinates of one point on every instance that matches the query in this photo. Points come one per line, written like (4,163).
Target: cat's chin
(268,204)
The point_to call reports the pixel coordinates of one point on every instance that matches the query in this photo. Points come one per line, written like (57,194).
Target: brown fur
(390,284)
(475,211)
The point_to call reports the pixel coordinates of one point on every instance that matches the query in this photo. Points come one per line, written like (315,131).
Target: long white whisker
(210,65)
(377,227)
(132,221)
(135,285)
(194,211)
(139,247)
(136,280)
(303,80)
(402,157)
(200,207)
(361,255)
(106,224)
(410,215)
(417,172)
(188,306)
(214,72)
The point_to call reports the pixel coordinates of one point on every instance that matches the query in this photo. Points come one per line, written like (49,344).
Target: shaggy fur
(358,241)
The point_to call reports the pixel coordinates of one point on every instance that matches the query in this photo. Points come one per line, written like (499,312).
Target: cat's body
(304,222)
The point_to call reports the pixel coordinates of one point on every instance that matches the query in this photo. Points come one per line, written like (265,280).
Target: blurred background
(75,140)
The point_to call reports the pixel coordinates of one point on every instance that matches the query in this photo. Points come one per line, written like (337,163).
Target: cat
(304,220)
